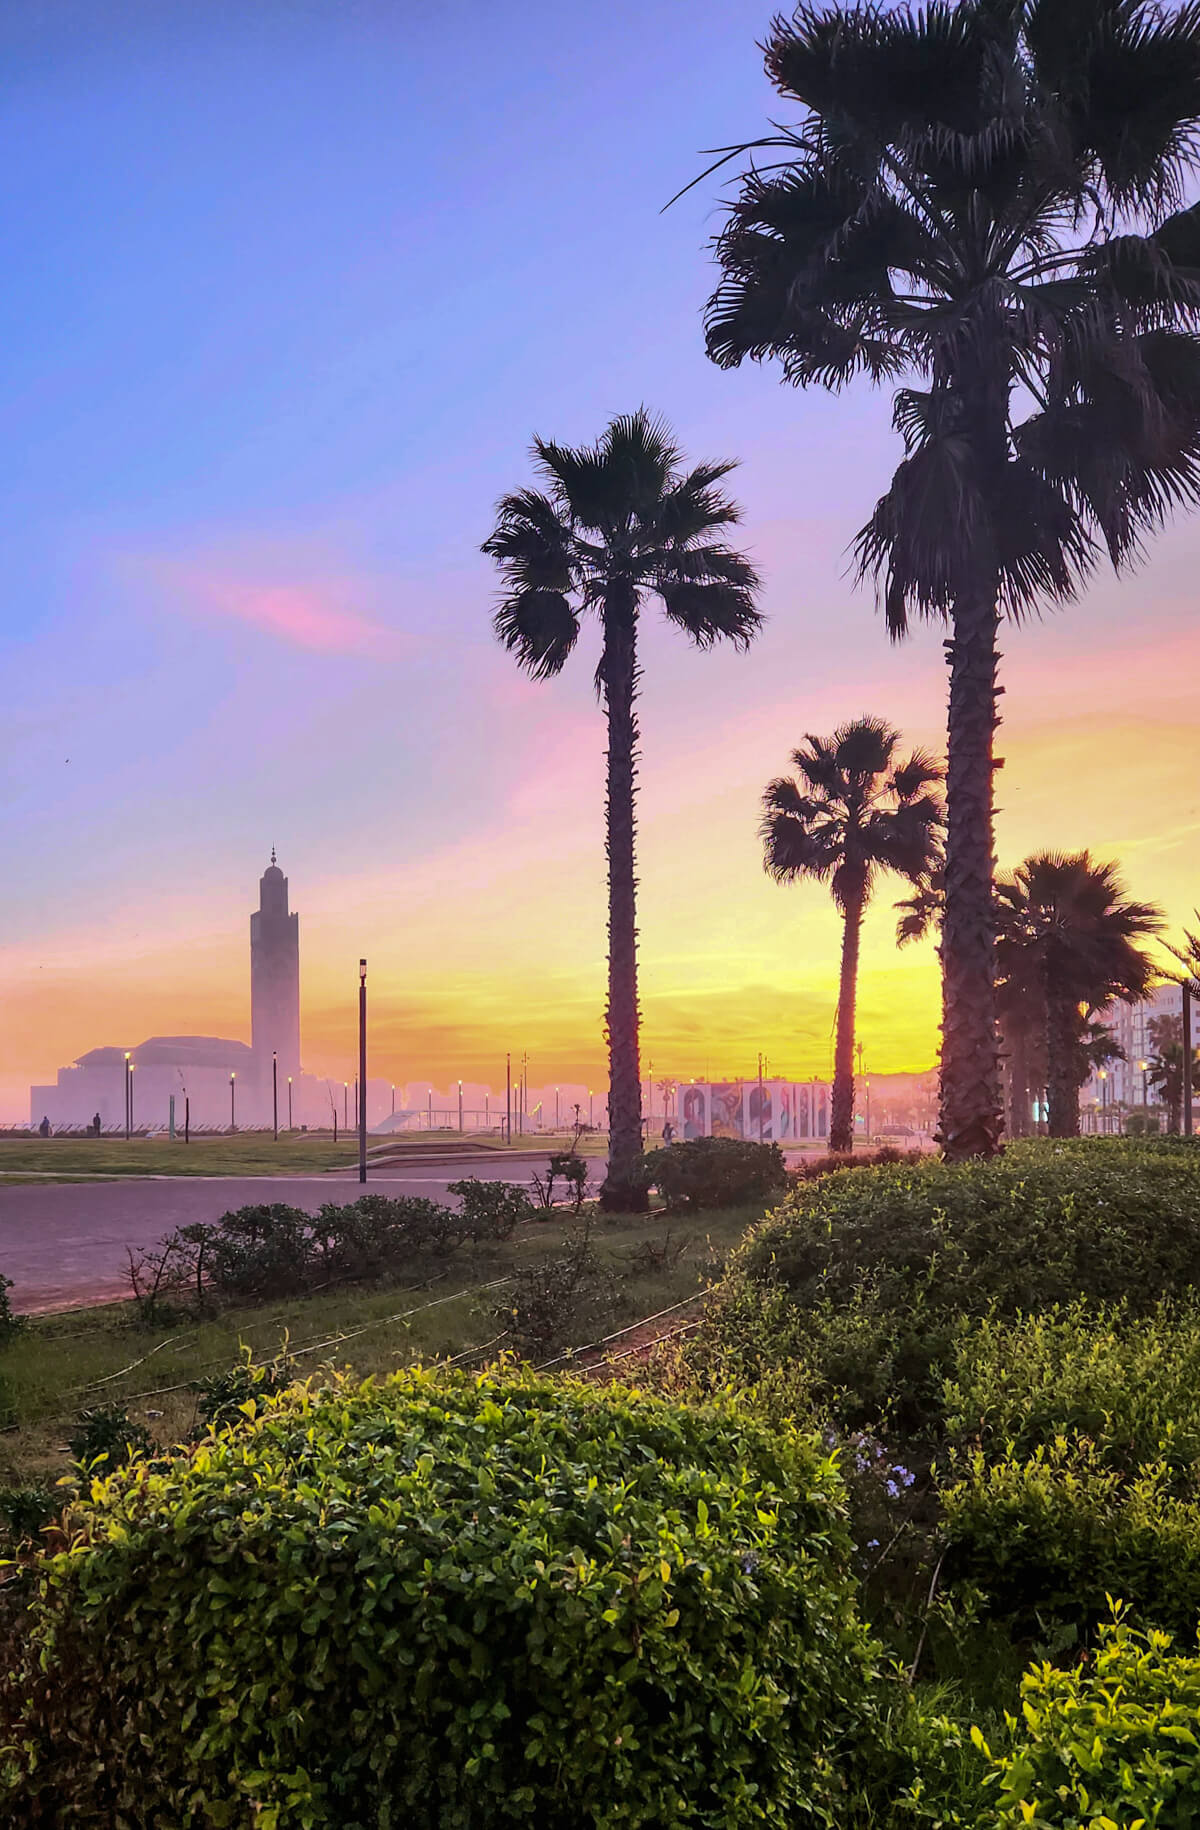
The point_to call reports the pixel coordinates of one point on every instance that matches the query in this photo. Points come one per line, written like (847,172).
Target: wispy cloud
(324,614)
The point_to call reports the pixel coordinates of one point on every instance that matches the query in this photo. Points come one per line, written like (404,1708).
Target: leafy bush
(716,1172)
(377,1233)
(1050,1536)
(491,1210)
(261,1250)
(222,1399)
(1130,1384)
(105,1437)
(565,1166)
(545,1302)
(1113,1743)
(455,1602)
(24,1511)
(865,1275)
(10,1324)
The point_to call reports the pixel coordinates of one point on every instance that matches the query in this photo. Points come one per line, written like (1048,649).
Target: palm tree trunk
(970,1084)
(624,1187)
(1062,1038)
(841,1118)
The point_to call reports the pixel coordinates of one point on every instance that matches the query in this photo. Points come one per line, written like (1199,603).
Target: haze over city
(283,325)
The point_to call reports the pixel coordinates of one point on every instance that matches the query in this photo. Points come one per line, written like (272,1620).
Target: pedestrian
(44,1128)
(668,1133)
(96,1124)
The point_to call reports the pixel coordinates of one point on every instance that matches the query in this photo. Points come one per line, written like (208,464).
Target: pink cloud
(319,614)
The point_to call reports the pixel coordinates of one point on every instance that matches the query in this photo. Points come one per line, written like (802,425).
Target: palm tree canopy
(1067,917)
(988,199)
(615,520)
(853,810)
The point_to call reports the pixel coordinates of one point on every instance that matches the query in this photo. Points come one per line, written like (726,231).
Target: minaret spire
(272,854)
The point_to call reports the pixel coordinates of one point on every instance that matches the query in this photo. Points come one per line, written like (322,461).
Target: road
(64,1243)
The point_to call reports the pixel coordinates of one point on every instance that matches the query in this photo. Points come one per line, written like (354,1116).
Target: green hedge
(862,1279)
(455,1602)
(1048,1538)
(716,1172)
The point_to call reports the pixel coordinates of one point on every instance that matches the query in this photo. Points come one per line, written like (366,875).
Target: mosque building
(217,1081)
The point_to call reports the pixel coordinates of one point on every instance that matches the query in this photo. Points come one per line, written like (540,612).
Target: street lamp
(460,1121)
(345,1105)
(275,1093)
(289,1102)
(393,1099)
(556,1108)
(1103,1077)
(589,1108)
(233,1102)
(1143,1065)
(360,1085)
(128,1096)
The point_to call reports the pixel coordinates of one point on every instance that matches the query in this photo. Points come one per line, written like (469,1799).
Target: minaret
(275,976)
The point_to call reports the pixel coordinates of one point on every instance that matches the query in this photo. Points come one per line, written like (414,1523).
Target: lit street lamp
(360,1096)
(1143,1065)
(1103,1099)
(345,1105)
(289,1102)
(233,1102)
(460,1121)
(275,1093)
(128,1096)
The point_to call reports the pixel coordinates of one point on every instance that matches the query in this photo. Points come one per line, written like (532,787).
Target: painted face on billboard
(804,1112)
(822,1112)
(761,1107)
(694,1115)
(727,1110)
(785,1112)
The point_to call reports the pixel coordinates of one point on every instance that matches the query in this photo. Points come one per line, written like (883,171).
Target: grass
(249,1153)
(63,1363)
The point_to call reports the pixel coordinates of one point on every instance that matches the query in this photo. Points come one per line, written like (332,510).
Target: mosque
(217,1081)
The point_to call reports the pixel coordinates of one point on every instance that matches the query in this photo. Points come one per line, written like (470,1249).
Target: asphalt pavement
(64,1243)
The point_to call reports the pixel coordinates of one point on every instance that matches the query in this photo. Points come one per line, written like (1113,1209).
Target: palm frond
(712,612)
(540,628)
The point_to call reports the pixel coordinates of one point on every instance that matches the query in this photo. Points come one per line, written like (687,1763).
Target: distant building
(1129,1026)
(221,1080)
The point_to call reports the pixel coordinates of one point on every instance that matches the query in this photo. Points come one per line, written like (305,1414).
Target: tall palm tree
(1071,932)
(988,198)
(854,811)
(617,522)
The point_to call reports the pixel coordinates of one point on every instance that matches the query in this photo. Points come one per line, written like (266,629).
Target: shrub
(543,1303)
(897,1256)
(25,1511)
(260,1250)
(491,1210)
(105,1437)
(1049,1537)
(377,1234)
(10,1324)
(1131,1385)
(1114,1743)
(221,1400)
(716,1172)
(455,1602)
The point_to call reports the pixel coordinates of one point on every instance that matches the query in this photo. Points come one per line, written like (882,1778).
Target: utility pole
(1187,1059)
(275,1094)
(360,1097)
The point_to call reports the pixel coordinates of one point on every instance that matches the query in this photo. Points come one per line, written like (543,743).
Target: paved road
(63,1243)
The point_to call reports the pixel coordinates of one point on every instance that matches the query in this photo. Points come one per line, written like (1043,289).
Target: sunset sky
(288,288)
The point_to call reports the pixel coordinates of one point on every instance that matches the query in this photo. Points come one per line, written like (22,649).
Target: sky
(289,289)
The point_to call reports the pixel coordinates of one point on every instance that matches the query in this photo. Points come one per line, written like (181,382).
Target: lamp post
(393,1099)
(760,1097)
(589,1108)
(289,1102)
(360,1088)
(1103,1077)
(460,1121)
(508,1098)
(345,1105)
(1143,1065)
(1186,1089)
(556,1108)
(132,1065)
(275,1094)
(128,1096)
(233,1102)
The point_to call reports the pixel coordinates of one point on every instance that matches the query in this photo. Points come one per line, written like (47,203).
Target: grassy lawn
(251,1153)
(63,1363)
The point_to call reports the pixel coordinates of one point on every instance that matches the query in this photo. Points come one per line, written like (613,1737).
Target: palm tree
(987,198)
(855,811)
(1071,934)
(616,522)
(1166,1065)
